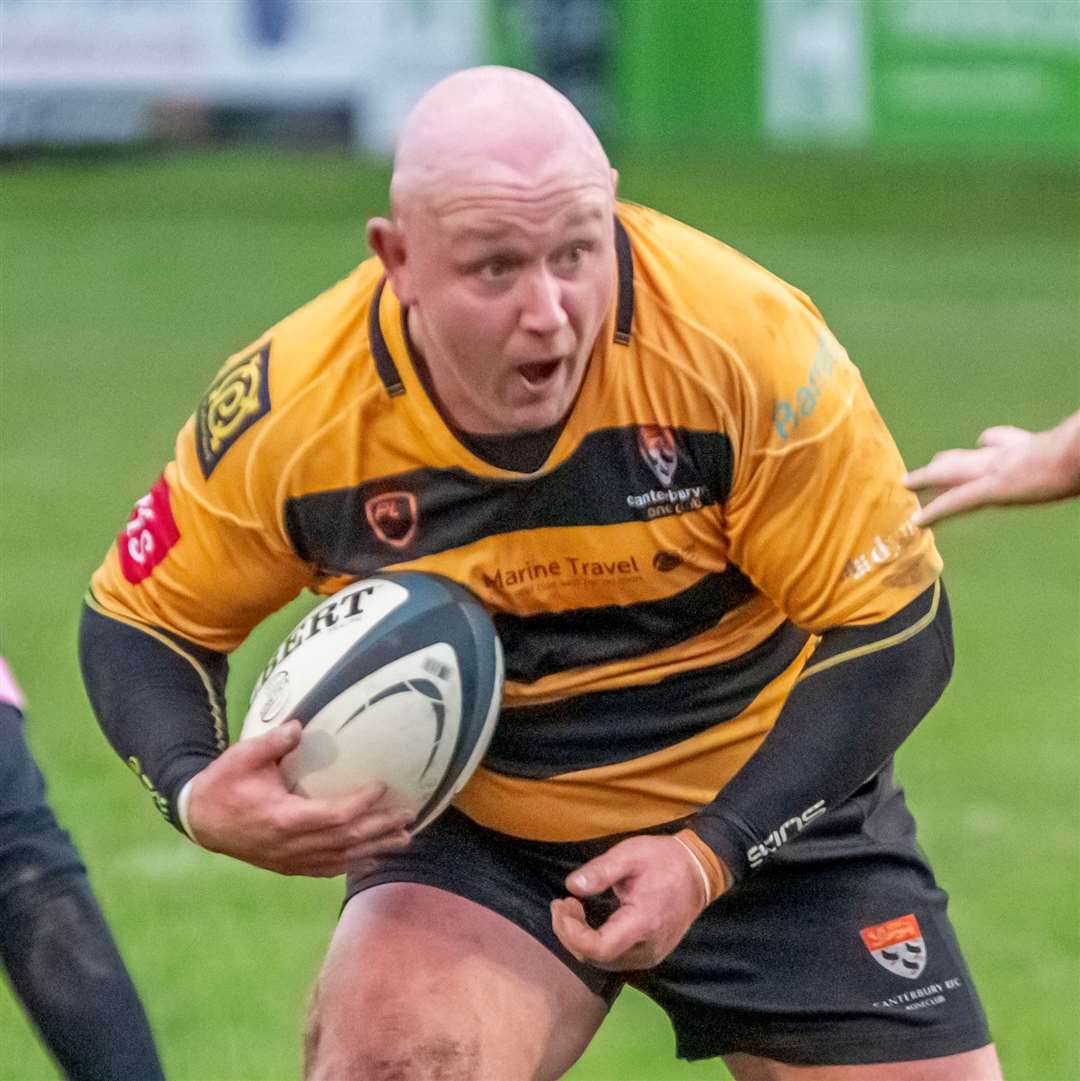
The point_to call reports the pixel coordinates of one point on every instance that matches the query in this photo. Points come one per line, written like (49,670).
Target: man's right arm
(160,702)
(159,699)
(203,559)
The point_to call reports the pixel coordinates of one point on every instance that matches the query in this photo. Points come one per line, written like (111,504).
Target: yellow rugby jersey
(722,489)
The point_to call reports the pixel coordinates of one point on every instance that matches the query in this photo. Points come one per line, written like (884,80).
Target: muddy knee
(375,1042)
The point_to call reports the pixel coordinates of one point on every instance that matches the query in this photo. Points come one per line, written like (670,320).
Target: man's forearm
(860,696)
(159,699)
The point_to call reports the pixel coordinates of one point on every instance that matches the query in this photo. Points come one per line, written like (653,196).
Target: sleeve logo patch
(149,534)
(238,397)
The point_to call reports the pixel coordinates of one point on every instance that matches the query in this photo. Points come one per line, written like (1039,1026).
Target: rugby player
(55,946)
(663,476)
(1010,466)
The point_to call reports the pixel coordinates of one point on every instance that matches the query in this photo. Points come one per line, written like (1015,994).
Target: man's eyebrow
(585,217)
(494,234)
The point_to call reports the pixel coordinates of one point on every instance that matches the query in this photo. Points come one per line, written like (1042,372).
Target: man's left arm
(862,694)
(819,521)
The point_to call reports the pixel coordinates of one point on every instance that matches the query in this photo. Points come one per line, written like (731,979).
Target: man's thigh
(420,984)
(980,1065)
(838,952)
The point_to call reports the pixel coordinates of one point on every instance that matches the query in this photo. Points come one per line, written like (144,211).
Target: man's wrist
(183,800)
(715,877)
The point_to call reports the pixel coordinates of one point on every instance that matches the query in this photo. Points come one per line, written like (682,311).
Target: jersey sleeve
(817,516)
(204,554)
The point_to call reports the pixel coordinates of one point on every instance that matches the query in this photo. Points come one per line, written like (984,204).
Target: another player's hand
(1010,465)
(239,806)
(660,894)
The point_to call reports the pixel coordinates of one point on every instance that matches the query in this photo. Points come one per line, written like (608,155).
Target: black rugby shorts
(837,951)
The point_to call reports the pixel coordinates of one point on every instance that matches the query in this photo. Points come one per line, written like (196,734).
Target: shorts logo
(149,534)
(392,517)
(897,945)
(238,397)
(657,447)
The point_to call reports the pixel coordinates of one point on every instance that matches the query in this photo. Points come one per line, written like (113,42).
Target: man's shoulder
(291,382)
(716,309)
(329,332)
(686,253)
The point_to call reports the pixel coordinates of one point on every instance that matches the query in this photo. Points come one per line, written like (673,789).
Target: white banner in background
(815,69)
(1050,24)
(96,64)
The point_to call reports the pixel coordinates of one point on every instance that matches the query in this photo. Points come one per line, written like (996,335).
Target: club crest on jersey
(657,447)
(897,945)
(238,397)
(392,517)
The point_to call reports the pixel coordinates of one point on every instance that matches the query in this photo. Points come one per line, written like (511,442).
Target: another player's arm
(1009,466)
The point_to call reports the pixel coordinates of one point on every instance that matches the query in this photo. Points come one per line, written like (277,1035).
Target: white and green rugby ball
(396,678)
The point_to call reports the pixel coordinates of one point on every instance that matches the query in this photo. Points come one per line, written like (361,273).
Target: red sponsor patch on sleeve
(891,933)
(149,534)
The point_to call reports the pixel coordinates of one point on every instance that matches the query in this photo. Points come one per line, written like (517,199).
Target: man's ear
(387,241)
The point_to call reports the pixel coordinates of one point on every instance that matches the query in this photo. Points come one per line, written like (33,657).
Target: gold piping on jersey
(221,736)
(885,643)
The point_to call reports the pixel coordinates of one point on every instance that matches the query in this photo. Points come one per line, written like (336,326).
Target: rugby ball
(396,678)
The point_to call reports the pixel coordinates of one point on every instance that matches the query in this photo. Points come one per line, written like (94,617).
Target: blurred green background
(124,282)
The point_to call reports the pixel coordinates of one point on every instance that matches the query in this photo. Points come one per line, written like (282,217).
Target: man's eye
(494,270)
(574,256)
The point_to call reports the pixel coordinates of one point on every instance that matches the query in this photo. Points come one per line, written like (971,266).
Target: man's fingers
(270,748)
(306,815)
(384,835)
(977,493)
(600,874)
(302,857)
(612,946)
(568,923)
(1003,435)
(945,469)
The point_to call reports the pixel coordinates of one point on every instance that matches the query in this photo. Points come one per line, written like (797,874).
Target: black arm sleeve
(159,699)
(863,692)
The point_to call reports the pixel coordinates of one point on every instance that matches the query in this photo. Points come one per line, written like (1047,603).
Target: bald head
(501,246)
(492,125)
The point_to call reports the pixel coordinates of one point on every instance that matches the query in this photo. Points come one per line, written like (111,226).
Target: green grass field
(124,282)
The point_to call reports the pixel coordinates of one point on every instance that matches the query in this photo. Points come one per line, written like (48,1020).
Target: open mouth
(539,372)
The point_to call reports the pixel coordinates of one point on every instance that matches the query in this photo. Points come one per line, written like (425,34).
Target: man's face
(508,287)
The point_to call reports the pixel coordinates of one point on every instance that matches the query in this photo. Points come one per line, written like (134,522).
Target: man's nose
(542,309)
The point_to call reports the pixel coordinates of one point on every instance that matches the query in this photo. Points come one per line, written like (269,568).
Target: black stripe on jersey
(384,362)
(606,481)
(540,645)
(605,727)
(624,314)
(624,310)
